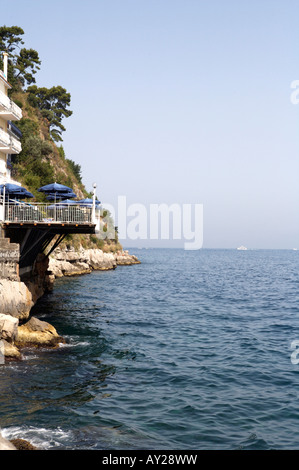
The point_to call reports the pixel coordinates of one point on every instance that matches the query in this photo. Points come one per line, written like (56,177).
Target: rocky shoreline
(17,298)
(18,330)
(72,263)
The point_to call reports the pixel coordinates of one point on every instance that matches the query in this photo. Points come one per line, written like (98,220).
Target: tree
(24,64)
(10,38)
(52,102)
(27,65)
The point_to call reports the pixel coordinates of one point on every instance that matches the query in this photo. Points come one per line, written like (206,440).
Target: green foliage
(10,38)
(27,64)
(33,149)
(97,241)
(32,164)
(75,168)
(18,103)
(61,152)
(53,103)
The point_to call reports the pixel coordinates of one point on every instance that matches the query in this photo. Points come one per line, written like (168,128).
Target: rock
(99,260)
(125,259)
(21,444)
(5,444)
(8,328)
(15,299)
(38,333)
(10,350)
(77,269)
(72,263)
(39,281)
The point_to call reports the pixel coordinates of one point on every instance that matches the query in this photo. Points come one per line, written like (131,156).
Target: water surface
(188,350)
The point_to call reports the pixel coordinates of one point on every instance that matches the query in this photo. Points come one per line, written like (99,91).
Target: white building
(9,134)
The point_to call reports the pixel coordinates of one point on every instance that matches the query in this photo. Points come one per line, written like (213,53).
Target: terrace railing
(47,213)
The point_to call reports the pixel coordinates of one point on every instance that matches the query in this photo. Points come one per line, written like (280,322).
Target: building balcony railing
(15,145)
(4,139)
(14,130)
(46,213)
(4,101)
(9,144)
(9,109)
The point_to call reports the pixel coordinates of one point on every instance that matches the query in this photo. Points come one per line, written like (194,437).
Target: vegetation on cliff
(42,159)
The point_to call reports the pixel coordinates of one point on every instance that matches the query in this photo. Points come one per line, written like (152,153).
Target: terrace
(41,213)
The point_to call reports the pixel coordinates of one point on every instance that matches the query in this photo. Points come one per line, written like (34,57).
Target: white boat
(242,248)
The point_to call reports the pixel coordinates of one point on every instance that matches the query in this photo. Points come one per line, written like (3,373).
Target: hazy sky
(180,101)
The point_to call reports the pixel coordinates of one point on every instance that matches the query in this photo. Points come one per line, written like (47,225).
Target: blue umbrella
(21,195)
(88,202)
(65,203)
(13,190)
(55,188)
(54,196)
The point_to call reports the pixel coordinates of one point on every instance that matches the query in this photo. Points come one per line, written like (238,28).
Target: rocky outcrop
(72,263)
(18,297)
(22,444)
(8,337)
(15,299)
(40,280)
(8,328)
(10,351)
(38,333)
(123,258)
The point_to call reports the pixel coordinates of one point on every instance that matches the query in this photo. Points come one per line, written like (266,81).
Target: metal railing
(16,110)
(15,144)
(4,100)
(4,138)
(9,106)
(47,213)
(9,143)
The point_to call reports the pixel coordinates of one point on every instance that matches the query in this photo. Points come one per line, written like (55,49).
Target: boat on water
(242,248)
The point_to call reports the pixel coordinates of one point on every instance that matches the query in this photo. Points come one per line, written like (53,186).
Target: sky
(183,102)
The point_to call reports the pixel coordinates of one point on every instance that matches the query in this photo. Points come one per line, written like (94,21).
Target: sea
(193,350)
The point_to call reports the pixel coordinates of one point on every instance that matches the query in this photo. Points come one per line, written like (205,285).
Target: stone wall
(9,260)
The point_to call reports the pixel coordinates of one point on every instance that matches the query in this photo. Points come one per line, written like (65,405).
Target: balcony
(15,145)
(9,109)
(9,144)
(4,102)
(14,130)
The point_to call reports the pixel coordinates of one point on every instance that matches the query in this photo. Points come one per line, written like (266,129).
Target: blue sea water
(188,350)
